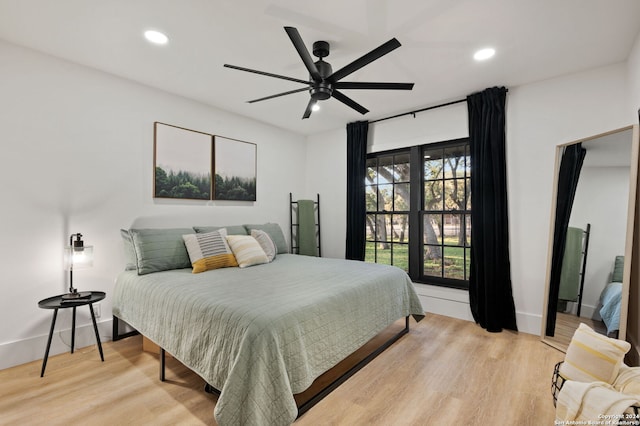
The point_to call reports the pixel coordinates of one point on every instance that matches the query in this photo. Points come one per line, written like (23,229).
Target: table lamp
(77,256)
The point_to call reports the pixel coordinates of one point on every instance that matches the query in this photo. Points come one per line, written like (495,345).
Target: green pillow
(275,232)
(231,230)
(160,249)
(129,251)
(618,269)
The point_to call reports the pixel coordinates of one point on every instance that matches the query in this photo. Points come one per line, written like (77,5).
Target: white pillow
(265,241)
(246,250)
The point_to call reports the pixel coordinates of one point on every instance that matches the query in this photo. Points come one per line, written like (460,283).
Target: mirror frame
(628,247)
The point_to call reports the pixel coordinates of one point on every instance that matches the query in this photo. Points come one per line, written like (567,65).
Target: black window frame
(417,211)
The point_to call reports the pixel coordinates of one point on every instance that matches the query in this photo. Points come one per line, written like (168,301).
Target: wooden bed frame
(325,383)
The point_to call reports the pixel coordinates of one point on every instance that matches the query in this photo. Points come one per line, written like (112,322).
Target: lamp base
(76,296)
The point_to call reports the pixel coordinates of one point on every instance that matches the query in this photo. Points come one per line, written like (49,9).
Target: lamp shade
(78,257)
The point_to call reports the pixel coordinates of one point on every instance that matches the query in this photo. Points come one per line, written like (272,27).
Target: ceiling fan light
(484,54)
(315,107)
(156,37)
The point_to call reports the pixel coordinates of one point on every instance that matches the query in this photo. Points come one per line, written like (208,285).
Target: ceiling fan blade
(279,94)
(294,35)
(376,86)
(349,102)
(268,74)
(364,60)
(307,112)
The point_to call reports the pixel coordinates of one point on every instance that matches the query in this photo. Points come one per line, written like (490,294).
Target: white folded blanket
(595,401)
(628,381)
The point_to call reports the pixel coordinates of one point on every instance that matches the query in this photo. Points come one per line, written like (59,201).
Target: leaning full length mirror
(588,273)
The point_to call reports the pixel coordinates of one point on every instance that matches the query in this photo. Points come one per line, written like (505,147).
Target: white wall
(633,65)
(539,116)
(77,156)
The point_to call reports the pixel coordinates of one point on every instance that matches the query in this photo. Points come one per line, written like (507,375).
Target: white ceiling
(534,39)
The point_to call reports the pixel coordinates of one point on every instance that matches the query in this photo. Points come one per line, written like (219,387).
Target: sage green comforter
(264,333)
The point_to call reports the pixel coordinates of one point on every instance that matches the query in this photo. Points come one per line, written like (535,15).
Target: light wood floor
(567,324)
(444,372)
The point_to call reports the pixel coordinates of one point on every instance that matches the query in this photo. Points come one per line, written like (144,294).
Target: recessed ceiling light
(315,107)
(483,54)
(156,37)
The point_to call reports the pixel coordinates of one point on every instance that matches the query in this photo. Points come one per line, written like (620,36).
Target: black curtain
(490,292)
(570,166)
(356,169)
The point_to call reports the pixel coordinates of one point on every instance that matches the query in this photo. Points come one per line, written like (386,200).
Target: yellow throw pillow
(247,250)
(209,251)
(593,357)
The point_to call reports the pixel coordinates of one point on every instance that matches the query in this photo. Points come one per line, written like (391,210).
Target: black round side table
(57,302)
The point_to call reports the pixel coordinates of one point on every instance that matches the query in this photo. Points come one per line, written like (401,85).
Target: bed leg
(116,335)
(406,323)
(115,330)
(162,362)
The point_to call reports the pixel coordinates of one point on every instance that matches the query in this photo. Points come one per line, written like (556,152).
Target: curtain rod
(419,110)
(425,109)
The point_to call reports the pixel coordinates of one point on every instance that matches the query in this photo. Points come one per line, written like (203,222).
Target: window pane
(453,229)
(383,226)
(371,227)
(467,263)
(467,219)
(383,253)
(433,195)
(371,175)
(433,261)
(385,169)
(468,195)
(370,197)
(370,252)
(433,164)
(401,168)
(401,256)
(454,262)
(385,197)
(401,228)
(432,229)
(467,161)
(401,197)
(454,162)
(454,194)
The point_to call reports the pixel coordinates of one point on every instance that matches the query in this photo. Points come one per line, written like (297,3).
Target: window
(388,205)
(419,211)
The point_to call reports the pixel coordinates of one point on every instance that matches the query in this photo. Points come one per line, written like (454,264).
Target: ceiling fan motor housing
(321,49)
(321,90)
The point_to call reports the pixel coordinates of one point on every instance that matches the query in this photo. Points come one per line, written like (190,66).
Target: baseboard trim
(32,349)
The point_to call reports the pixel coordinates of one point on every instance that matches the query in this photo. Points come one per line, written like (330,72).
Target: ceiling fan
(323,83)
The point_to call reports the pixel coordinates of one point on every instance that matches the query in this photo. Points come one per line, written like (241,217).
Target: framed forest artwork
(182,163)
(186,160)
(235,169)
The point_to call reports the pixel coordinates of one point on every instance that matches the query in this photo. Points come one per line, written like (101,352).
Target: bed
(263,333)
(611,298)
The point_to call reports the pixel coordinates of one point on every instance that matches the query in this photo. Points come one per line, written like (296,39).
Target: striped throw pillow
(593,357)
(247,250)
(265,241)
(209,251)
